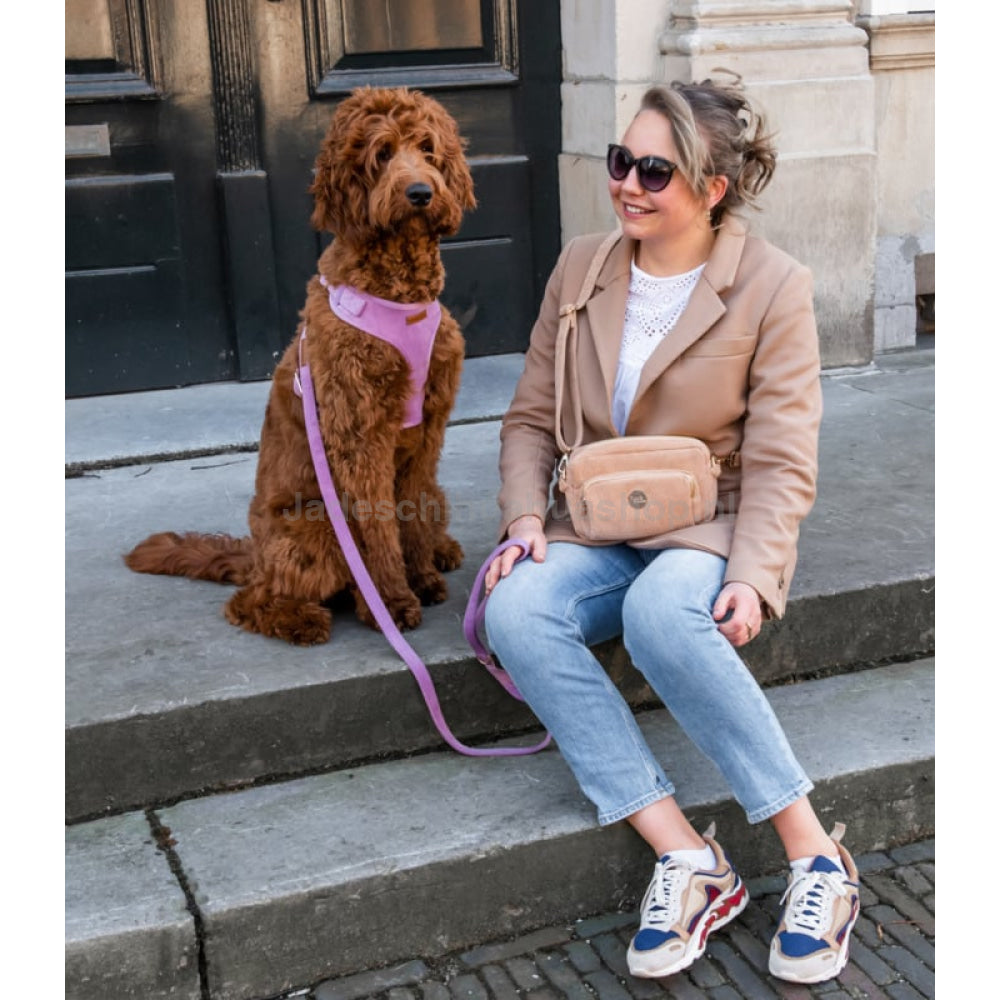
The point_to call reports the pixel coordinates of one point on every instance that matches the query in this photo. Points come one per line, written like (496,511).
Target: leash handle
(304,388)
(475,612)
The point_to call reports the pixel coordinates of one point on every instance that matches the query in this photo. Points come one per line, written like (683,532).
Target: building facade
(849,90)
(192,125)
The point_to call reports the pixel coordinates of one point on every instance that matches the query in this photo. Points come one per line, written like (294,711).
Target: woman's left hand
(744,621)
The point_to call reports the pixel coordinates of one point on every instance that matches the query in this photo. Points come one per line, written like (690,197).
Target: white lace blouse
(654,305)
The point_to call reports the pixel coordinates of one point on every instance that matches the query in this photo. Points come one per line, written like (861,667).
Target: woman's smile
(672,224)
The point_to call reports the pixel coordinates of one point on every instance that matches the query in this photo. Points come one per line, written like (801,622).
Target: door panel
(402,26)
(112,50)
(100,217)
(122,274)
(409,43)
(489,283)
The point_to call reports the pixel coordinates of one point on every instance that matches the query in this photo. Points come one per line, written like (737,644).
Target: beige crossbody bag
(625,488)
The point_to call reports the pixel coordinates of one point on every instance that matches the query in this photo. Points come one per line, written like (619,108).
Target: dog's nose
(419,194)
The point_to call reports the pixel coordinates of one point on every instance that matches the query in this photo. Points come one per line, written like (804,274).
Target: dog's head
(390,156)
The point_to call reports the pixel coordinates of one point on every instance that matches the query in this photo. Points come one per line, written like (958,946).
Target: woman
(694,328)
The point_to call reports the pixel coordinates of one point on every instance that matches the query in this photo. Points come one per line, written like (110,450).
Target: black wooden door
(145,293)
(495,64)
(192,126)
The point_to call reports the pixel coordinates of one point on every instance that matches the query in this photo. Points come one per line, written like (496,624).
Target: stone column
(806,64)
(610,55)
(902,66)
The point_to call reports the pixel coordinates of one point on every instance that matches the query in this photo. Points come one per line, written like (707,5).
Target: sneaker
(681,906)
(822,905)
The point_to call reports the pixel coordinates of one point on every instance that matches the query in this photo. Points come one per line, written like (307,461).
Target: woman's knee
(649,609)
(518,606)
(674,595)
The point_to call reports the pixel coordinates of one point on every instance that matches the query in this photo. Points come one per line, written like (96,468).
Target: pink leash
(474,612)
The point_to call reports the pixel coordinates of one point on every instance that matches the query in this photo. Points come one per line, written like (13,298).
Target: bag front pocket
(620,506)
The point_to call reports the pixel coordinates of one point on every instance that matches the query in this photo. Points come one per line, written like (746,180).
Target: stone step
(246,895)
(165,700)
(222,417)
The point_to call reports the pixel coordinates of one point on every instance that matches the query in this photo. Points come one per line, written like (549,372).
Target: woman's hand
(742,605)
(529,529)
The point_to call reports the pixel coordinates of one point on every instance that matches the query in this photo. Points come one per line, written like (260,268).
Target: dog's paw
(430,588)
(407,616)
(448,555)
(300,622)
(307,630)
(405,612)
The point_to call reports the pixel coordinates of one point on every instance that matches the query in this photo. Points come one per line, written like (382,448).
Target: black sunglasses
(654,172)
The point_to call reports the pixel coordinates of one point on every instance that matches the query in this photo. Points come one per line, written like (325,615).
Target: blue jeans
(540,621)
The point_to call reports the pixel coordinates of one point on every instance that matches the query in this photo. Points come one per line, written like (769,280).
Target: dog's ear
(455,167)
(321,188)
(459,177)
(338,200)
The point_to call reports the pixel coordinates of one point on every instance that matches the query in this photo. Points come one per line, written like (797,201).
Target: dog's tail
(219,558)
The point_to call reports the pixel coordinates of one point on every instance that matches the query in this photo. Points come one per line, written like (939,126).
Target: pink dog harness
(409,327)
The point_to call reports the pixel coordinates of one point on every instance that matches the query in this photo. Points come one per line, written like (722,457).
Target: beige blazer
(740,371)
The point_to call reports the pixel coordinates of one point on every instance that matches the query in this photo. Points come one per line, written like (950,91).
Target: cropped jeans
(540,621)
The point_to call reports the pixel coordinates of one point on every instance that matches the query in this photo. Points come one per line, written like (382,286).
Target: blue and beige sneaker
(821,906)
(681,906)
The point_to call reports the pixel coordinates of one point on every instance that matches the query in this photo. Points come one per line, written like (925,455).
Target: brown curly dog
(391,179)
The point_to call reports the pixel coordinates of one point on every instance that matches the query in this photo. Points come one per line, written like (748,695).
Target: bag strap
(304,388)
(566,345)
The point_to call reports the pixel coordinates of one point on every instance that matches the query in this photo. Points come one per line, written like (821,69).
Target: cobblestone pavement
(891,953)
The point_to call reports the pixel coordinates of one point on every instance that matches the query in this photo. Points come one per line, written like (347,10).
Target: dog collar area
(410,327)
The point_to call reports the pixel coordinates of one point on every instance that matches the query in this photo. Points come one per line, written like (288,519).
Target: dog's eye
(384,155)
(427,148)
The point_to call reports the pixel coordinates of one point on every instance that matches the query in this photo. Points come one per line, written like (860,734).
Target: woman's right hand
(529,529)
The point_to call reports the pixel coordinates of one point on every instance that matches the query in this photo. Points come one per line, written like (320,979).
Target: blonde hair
(717,132)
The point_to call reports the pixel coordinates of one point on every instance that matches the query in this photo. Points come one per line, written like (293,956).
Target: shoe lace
(810,898)
(664,898)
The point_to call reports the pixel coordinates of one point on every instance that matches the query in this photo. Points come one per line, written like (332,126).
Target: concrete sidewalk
(235,803)
(107,431)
